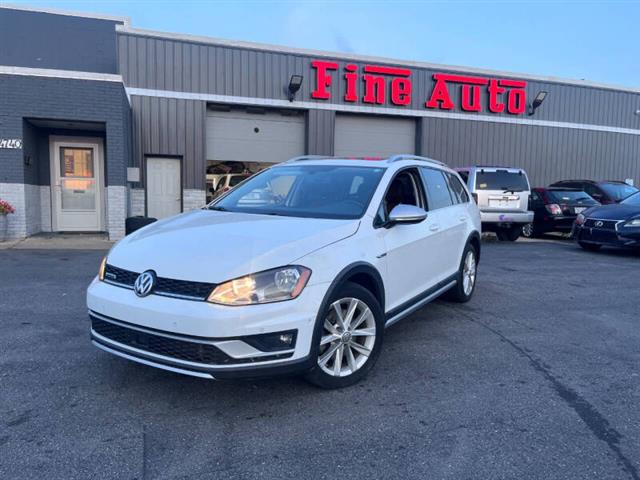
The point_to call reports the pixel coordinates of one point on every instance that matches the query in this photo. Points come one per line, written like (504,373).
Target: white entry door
(77,184)
(164,195)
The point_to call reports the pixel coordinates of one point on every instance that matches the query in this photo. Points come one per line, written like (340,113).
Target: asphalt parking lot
(537,377)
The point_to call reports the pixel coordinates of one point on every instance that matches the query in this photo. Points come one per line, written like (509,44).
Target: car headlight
(580,219)
(284,283)
(633,223)
(103,266)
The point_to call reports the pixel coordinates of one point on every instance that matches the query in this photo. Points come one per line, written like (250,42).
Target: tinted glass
(457,189)
(570,196)
(437,190)
(501,180)
(634,200)
(313,191)
(235,180)
(618,191)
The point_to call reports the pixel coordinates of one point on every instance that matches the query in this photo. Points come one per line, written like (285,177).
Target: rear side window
(438,194)
(457,189)
(501,180)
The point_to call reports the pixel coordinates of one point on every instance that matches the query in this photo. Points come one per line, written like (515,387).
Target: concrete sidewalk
(59,241)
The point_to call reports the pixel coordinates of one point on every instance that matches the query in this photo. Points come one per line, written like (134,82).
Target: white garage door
(254,137)
(369,136)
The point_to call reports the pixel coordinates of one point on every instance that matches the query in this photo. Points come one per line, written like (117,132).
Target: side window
(438,194)
(457,189)
(404,189)
(464,175)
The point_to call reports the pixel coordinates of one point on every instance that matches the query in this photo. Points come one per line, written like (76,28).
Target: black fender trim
(475,235)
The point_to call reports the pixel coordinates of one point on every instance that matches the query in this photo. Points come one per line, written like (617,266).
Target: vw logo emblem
(599,223)
(145,283)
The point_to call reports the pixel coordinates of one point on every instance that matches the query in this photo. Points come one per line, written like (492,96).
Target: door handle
(463,218)
(434,228)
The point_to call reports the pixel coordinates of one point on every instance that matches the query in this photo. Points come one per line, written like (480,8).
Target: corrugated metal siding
(171,127)
(547,154)
(183,66)
(320,132)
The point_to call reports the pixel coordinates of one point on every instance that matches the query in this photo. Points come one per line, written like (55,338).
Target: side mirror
(406,214)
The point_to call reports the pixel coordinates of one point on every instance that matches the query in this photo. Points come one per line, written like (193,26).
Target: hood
(211,246)
(614,211)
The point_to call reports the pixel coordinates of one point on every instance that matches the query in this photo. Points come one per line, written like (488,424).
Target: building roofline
(127,29)
(54,11)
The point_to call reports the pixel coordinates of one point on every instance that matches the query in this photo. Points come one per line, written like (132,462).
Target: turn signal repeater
(277,285)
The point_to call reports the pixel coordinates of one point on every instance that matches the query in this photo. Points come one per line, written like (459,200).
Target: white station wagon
(299,269)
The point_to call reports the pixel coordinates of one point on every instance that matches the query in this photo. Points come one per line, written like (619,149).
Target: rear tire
(348,338)
(529,231)
(466,277)
(590,247)
(510,234)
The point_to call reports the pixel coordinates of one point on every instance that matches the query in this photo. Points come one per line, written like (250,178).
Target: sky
(591,40)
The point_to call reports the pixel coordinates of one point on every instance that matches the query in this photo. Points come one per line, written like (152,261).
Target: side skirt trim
(414,304)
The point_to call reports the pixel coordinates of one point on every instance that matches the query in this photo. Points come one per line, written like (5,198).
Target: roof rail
(302,158)
(397,158)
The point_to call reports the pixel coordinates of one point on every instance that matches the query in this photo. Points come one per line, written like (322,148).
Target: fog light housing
(273,342)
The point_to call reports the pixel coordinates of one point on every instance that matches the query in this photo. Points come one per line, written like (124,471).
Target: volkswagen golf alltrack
(299,269)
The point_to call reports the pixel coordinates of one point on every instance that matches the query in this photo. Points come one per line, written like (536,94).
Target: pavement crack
(592,418)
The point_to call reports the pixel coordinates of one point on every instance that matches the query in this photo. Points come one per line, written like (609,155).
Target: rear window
(570,197)
(618,191)
(501,180)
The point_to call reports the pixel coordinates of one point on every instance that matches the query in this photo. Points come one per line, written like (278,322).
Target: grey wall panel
(320,132)
(374,136)
(42,40)
(263,74)
(548,154)
(170,127)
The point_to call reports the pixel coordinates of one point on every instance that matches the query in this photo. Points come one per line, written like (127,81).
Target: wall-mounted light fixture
(537,101)
(294,85)
(637,112)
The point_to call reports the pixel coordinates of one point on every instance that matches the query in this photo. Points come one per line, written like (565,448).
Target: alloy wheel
(348,337)
(469,273)
(527,230)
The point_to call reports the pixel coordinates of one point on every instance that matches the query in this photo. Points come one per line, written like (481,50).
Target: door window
(403,189)
(457,189)
(438,194)
(77,181)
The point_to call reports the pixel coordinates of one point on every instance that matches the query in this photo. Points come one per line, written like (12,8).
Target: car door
(410,259)
(447,222)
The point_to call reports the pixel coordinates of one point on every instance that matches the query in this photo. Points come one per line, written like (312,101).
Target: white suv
(302,278)
(502,195)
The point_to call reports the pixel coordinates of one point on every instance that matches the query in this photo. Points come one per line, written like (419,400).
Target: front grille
(164,286)
(160,345)
(606,224)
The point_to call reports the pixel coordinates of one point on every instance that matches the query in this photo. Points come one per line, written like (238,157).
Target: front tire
(466,276)
(348,338)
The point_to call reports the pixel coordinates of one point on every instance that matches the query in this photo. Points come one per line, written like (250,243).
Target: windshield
(313,191)
(571,197)
(633,200)
(501,180)
(618,191)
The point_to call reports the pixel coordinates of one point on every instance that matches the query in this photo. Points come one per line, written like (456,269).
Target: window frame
(450,177)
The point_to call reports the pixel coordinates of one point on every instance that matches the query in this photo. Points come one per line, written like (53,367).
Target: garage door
(369,136)
(237,135)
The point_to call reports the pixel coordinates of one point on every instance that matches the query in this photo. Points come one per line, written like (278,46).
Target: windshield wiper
(512,190)
(217,208)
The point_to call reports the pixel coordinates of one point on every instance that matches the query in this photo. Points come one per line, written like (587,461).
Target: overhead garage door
(370,136)
(237,135)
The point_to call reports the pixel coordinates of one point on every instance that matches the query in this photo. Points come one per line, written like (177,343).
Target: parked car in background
(555,209)
(502,195)
(616,225)
(605,192)
(218,184)
(308,280)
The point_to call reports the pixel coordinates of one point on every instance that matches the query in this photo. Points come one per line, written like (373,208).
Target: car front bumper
(621,237)
(204,339)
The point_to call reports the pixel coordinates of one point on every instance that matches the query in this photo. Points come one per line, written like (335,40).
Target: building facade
(100,121)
